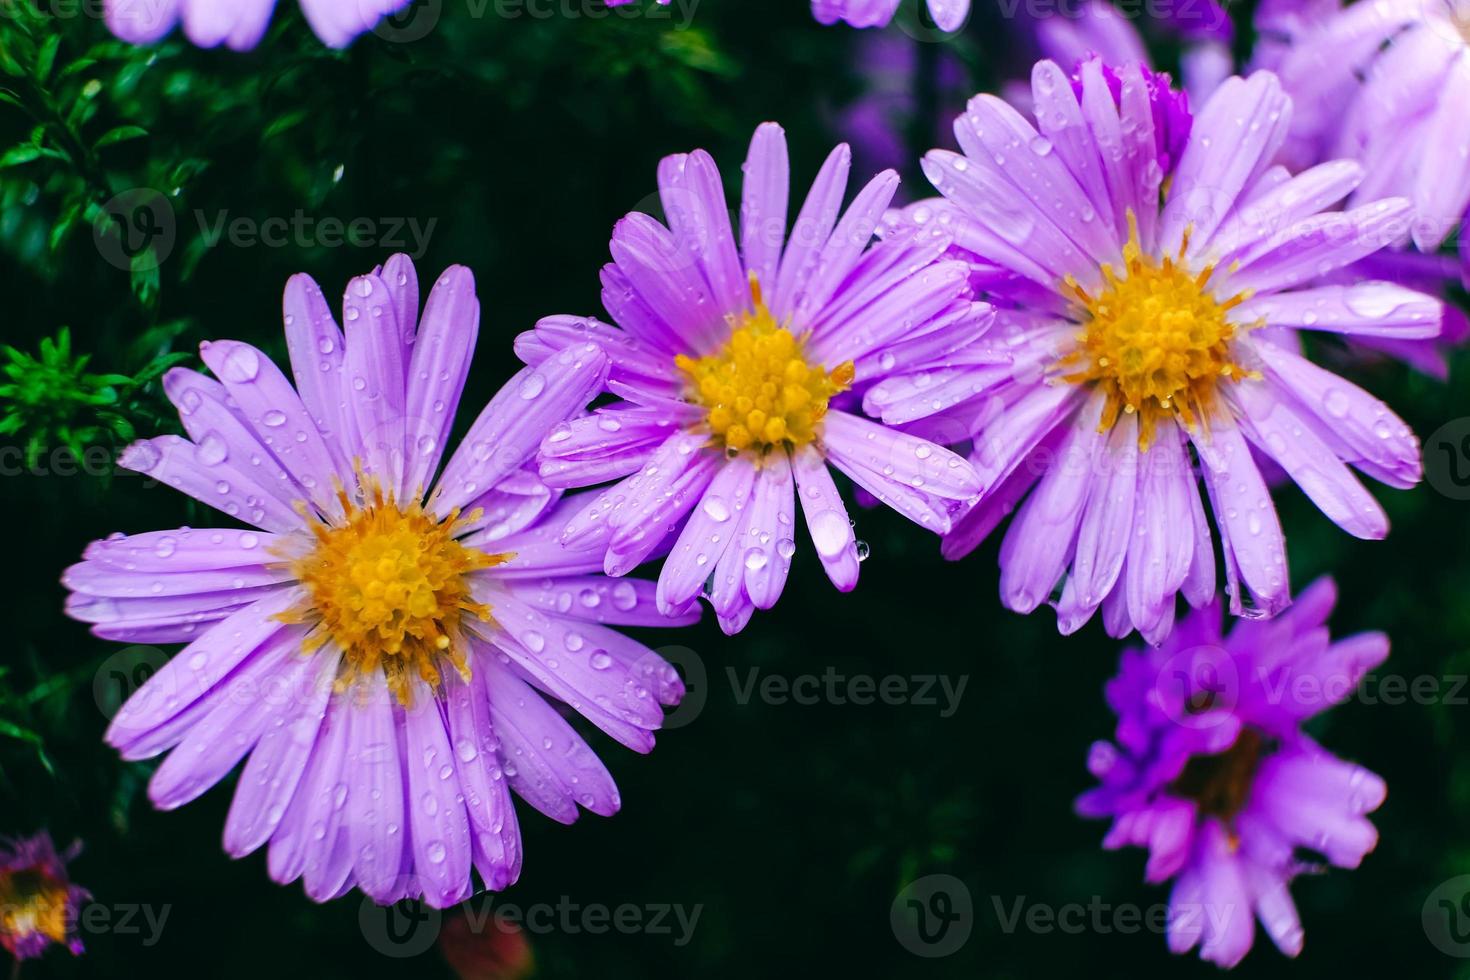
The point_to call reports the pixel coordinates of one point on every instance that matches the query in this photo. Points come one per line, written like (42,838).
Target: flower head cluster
(391,661)
(738,371)
(38,902)
(1148,305)
(1212,773)
(1102,314)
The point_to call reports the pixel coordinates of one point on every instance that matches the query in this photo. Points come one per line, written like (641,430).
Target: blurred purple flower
(728,362)
(393,665)
(1137,320)
(1212,772)
(1341,83)
(240,24)
(1097,28)
(1384,83)
(39,904)
(949,15)
(878,121)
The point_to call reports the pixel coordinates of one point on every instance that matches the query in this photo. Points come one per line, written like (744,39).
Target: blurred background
(775,836)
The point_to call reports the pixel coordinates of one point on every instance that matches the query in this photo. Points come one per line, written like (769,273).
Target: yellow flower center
(388,584)
(1155,338)
(31,902)
(759,390)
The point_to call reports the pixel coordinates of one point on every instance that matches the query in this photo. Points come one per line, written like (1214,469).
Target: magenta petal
(713,527)
(274,411)
(551,767)
(278,762)
(440,362)
(439,832)
(826,518)
(770,527)
(222,737)
(317,351)
(512,425)
(375,791)
(763,202)
(494,831)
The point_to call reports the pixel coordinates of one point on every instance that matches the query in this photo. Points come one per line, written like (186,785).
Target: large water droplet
(830,532)
(241,365)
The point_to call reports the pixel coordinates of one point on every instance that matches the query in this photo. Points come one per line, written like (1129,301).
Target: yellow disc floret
(759,390)
(387,584)
(33,902)
(1155,338)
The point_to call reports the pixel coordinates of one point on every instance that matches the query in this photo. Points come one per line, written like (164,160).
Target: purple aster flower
(737,369)
(240,24)
(949,15)
(38,902)
(1099,29)
(1144,321)
(1212,773)
(393,664)
(1383,83)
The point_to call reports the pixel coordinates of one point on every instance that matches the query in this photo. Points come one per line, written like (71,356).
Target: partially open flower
(1213,774)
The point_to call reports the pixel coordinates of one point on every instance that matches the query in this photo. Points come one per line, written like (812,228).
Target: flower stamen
(388,584)
(1155,339)
(759,390)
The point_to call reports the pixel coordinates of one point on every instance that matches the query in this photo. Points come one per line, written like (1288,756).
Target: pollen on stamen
(1155,338)
(760,391)
(388,584)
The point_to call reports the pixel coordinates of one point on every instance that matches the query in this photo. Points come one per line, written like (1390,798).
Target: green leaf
(17,155)
(46,58)
(145,278)
(119,135)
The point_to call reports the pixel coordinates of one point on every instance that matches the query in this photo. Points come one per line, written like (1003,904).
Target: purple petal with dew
(440,362)
(510,429)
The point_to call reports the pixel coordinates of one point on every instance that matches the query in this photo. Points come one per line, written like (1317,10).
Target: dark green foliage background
(793,826)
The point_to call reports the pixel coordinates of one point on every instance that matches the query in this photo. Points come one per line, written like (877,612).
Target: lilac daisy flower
(1098,29)
(1150,289)
(1213,774)
(737,370)
(39,905)
(949,15)
(1384,83)
(393,664)
(240,24)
